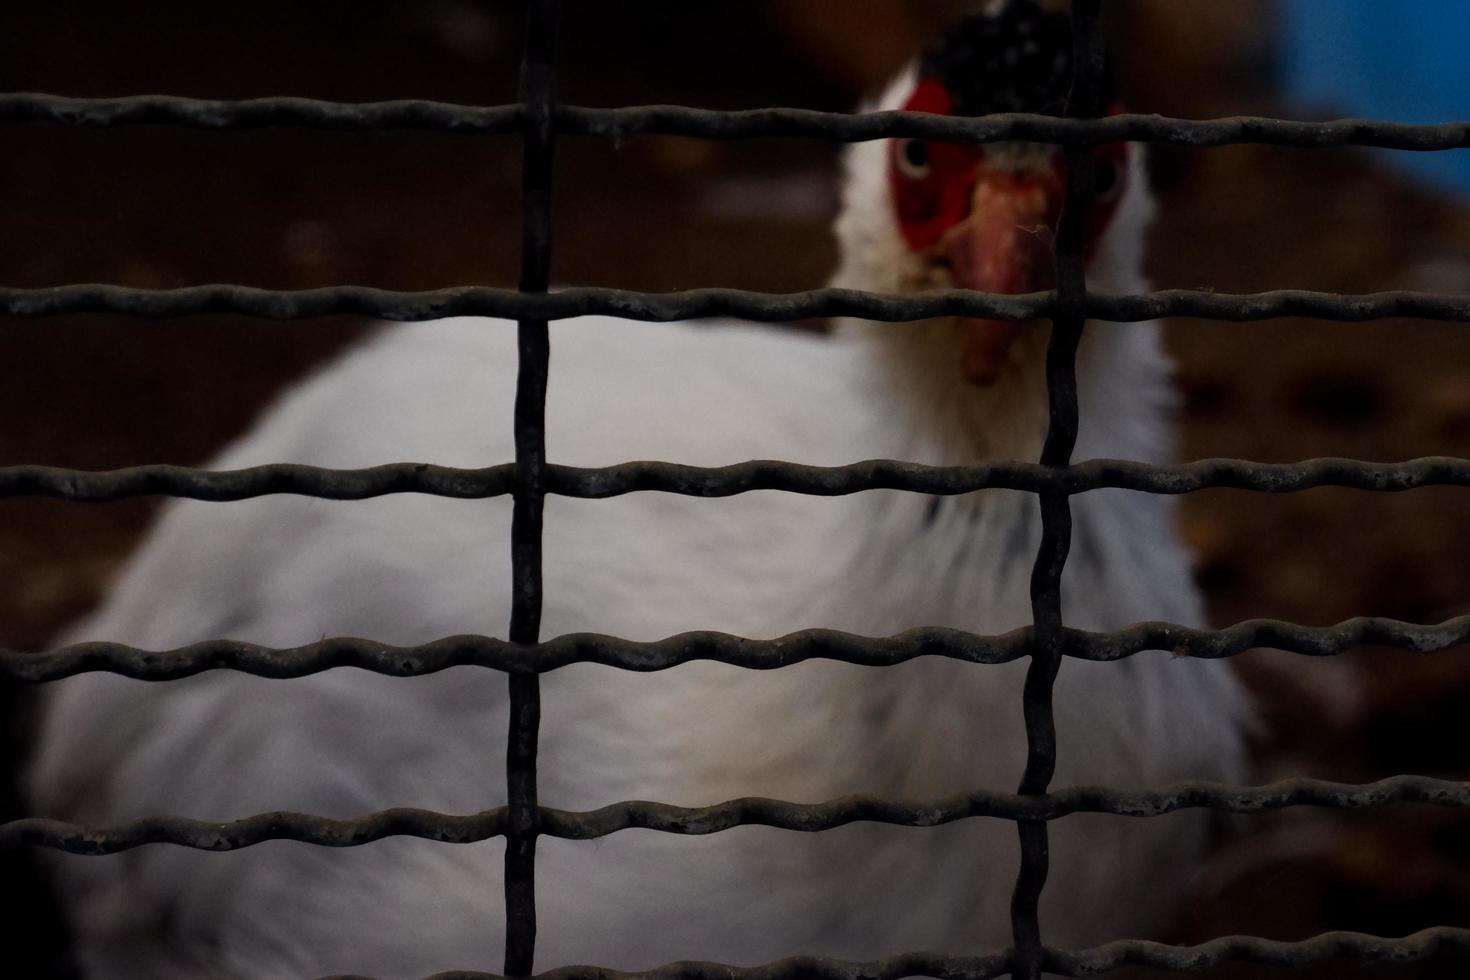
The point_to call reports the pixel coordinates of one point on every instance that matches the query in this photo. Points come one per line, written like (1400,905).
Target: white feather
(407,569)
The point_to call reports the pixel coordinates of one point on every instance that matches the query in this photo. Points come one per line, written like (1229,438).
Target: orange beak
(1004,245)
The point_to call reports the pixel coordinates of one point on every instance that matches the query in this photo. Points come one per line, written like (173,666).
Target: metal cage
(540,120)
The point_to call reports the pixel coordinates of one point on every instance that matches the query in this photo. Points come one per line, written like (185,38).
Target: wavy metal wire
(737,651)
(727,481)
(539,120)
(701,303)
(669,120)
(1417,948)
(234,835)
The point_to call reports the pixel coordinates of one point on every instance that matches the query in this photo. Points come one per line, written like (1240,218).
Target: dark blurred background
(156,207)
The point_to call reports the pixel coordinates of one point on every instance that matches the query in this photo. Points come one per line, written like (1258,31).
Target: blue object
(1384,59)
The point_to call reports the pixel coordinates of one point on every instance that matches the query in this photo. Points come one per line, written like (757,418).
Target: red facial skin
(991,227)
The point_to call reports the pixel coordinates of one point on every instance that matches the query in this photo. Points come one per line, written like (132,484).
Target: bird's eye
(1107,181)
(912,159)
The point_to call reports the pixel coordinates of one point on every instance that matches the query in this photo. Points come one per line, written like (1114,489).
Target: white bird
(407,569)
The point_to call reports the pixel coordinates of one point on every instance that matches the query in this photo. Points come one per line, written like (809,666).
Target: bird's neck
(934,415)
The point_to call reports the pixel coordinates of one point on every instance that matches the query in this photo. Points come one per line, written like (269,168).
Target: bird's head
(924,214)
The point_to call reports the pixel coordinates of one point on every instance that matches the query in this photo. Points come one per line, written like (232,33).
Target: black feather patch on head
(1016,59)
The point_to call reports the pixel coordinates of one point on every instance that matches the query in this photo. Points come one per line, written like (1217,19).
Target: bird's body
(407,569)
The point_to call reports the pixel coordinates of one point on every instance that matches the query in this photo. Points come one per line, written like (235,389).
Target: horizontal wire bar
(1094,474)
(275,111)
(1424,945)
(225,298)
(89,486)
(256,481)
(643,656)
(794,968)
(671,120)
(234,835)
(1008,127)
(1269,634)
(497,654)
(746,812)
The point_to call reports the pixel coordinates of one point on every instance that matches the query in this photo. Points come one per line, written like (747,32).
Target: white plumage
(407,569)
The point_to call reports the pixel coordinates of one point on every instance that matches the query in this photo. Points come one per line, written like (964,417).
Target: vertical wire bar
(538,98)
(1048,639)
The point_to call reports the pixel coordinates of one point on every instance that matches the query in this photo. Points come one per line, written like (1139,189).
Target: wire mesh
(540,121)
